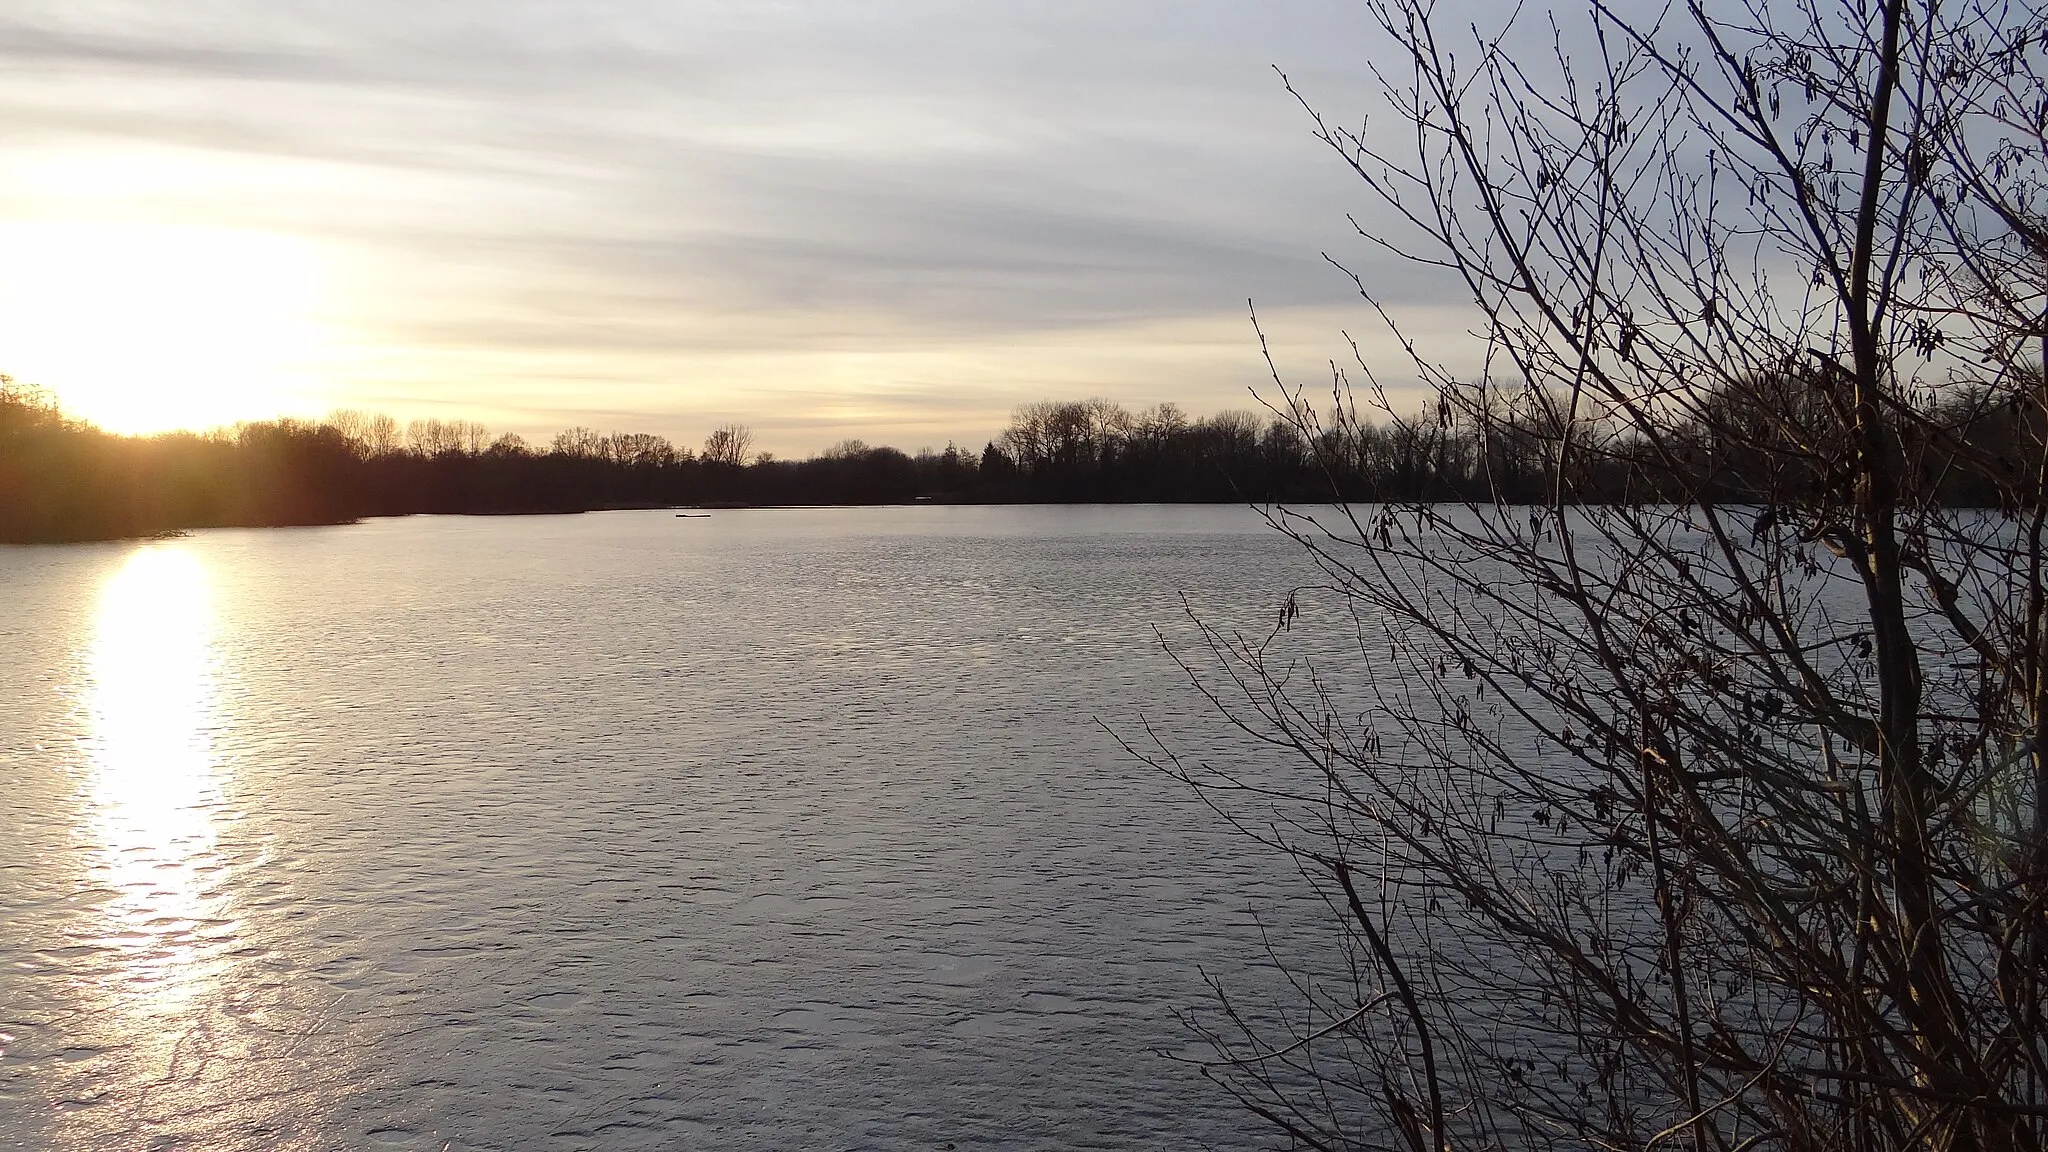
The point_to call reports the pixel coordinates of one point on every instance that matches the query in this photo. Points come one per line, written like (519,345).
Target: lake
(765,829)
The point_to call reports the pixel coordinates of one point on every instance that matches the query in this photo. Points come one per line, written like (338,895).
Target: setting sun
(147,328)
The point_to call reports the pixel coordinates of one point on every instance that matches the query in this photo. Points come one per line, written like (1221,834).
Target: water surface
(771,829)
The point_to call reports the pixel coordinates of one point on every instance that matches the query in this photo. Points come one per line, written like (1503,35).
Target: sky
(887,219)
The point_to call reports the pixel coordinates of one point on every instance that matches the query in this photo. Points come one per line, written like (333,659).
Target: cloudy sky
(891,219)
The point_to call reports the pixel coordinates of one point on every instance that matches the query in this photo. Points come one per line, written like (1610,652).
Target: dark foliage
(62,479)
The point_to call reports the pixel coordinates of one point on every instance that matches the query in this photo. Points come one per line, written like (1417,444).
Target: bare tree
(731,445)
(641,448)
(581,442)
(1160,423)
(431,437)
(1718,817)
(369,433)
(1073,436)
(511,444)
(473,437)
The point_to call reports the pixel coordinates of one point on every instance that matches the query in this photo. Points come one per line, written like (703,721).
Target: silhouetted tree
(729,446)
(1702,802)
(581,442)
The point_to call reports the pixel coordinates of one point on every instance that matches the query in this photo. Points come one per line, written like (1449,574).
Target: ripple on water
(576,832)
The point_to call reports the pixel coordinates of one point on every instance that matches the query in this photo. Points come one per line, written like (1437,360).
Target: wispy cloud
(663,211)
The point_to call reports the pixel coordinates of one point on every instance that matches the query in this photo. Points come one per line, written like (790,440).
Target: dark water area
(765,829)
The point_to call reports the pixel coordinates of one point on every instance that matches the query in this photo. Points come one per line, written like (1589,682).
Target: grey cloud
(857,173)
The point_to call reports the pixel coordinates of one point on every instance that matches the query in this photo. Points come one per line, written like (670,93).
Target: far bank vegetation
(64,479)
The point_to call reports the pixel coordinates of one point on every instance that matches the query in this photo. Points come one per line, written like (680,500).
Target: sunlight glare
(152,706)
(147,328)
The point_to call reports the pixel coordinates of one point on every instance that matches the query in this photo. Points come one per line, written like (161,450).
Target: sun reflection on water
(153,787)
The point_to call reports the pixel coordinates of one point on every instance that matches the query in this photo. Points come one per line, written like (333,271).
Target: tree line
(64,479)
